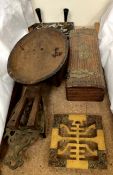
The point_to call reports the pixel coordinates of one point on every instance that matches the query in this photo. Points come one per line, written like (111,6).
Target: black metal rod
(38,12)
(66,11)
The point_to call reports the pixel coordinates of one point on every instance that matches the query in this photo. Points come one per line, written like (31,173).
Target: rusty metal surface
(26,109)
(29,119)
(18,141)
(31,110)
(62,26)
(38,56)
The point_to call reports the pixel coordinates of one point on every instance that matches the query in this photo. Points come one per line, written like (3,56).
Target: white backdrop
(82,12)
(106,49)
(13,25)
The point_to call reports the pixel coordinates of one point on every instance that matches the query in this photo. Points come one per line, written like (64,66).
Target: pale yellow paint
(77,164)
(75,118)
(77,138)
(101,140)
(82,12)
(55,138)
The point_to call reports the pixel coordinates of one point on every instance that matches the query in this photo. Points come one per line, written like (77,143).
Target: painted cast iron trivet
(78,142)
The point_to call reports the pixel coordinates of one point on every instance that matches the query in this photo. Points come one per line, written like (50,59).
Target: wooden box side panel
(84,94)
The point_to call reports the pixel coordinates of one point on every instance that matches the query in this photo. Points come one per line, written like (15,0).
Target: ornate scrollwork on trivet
(18,141)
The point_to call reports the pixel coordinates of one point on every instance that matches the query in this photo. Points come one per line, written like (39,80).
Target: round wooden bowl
(38,56)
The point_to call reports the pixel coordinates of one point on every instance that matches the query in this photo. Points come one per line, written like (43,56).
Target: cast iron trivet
(78,142)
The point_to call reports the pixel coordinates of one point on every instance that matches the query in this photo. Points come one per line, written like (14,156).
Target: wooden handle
(38,12)
(66,11)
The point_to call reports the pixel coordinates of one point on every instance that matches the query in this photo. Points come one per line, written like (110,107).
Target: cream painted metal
(82,12)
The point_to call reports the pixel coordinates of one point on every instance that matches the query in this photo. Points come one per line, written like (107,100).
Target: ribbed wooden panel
(85,70)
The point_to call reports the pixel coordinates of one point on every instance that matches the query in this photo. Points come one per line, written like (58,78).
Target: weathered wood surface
(85,75)
(38,56)
(26,110)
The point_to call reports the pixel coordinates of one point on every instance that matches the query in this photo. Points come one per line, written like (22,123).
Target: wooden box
(85,79)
